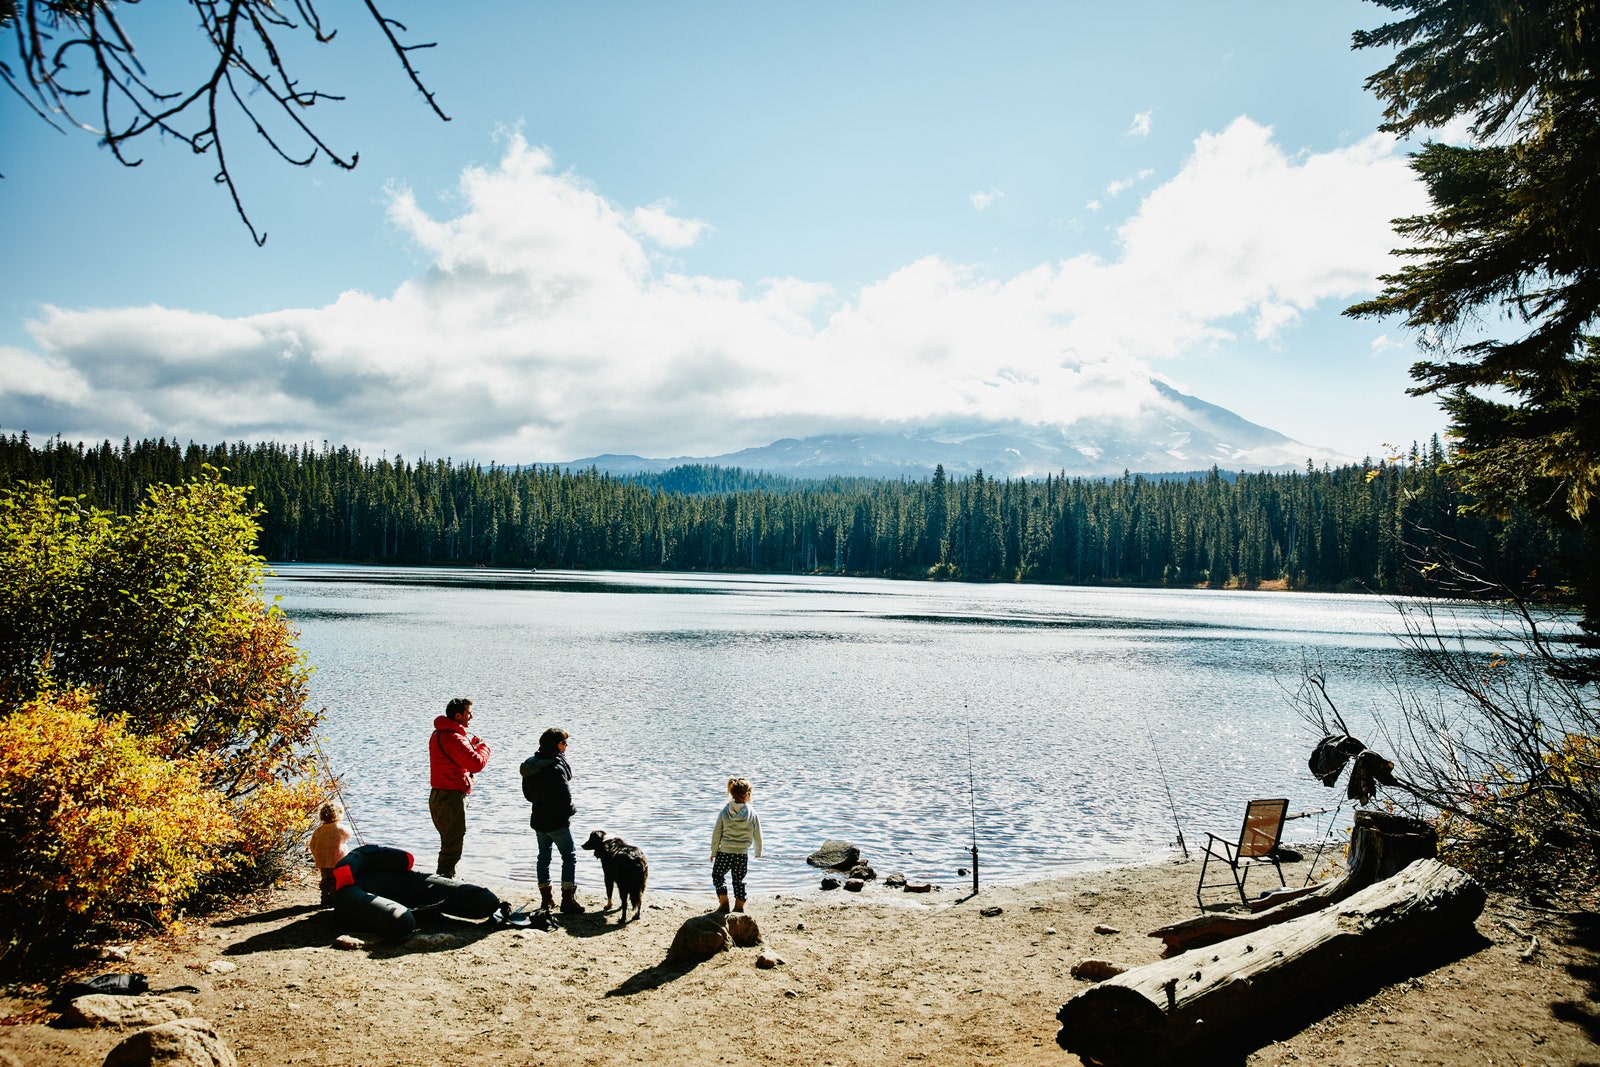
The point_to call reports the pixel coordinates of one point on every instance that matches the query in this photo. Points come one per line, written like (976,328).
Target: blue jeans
(561,839)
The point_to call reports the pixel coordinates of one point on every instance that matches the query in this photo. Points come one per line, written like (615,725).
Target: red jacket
(453,757)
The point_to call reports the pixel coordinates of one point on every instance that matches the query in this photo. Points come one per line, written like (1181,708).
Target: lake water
(886,713)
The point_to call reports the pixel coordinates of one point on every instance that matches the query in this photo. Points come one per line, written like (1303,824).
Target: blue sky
(686,229)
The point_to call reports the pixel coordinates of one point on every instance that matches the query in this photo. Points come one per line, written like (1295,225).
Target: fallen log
(1381,844)
(1145,1015)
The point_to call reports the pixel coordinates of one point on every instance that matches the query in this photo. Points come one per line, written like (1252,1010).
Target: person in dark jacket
(454,757)
(545,782)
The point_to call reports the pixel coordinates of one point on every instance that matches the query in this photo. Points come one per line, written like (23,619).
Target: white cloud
(545,329)
(1141,124)
(1122,185)
(656,223)
(982,200)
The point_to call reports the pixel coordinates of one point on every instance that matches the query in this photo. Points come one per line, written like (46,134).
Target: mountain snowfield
(1170,432)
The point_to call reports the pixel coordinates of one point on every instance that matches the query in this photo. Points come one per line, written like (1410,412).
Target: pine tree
(1513,235)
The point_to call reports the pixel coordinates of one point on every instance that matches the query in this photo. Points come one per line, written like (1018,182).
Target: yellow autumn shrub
(1539,832)
(96,827)
(197,780)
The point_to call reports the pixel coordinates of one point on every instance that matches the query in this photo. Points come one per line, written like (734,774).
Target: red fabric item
(343,877)
(411,861)
(453,757)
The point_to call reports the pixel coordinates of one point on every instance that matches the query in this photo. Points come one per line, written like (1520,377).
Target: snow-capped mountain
(1173,432)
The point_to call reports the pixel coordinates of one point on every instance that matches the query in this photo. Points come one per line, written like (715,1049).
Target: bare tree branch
(58,41)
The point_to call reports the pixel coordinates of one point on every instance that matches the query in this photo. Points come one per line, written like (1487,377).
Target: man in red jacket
(453,758)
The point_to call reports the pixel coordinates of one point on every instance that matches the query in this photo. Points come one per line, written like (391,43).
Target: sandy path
(875,978)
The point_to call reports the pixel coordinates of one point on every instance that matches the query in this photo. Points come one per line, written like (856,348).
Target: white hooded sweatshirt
(737,829)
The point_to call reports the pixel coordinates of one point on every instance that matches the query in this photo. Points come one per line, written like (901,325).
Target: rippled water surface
(849,703)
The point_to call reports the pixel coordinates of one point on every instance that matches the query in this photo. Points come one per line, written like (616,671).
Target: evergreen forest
(1362,527)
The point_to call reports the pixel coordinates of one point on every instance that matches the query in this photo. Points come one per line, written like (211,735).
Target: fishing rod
(1172,804)
(972,794)
(333,781)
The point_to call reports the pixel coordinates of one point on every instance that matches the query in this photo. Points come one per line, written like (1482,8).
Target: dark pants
(449,810)
(735,863)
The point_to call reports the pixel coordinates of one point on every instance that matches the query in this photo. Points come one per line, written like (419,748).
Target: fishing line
(1162,770)
(327,768)
(1326,841)
(972,794)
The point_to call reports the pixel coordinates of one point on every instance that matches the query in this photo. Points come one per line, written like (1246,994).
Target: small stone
(991,911)
(348,941)
(830,882)
(962,872)
(918,887)
(1102,928)
(790,993)
(221,967)
(895,880)
(799,926)
(1049,929)
(863,872)
(1092,970)
(767,961)
(854,885)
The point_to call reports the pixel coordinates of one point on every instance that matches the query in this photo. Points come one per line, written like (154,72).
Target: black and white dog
(625,868)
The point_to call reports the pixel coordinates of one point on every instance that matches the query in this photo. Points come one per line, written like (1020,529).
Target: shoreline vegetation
(870,978)
(1359,528)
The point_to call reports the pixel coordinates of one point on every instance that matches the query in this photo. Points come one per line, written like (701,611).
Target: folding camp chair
(1258,844)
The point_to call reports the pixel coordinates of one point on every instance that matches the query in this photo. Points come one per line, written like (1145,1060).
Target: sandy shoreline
(871,978)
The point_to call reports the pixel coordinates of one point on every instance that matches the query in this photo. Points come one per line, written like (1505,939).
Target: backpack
(120,985)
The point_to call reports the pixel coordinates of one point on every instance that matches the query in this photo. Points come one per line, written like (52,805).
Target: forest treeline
(1355,527)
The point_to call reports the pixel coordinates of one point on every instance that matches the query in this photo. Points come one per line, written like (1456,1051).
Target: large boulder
(102,1009)
(835,854)
(700,938)
(180,1043)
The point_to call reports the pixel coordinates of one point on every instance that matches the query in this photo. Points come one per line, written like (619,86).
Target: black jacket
(544,783)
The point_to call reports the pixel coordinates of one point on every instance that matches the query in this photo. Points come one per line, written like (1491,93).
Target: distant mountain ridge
(1172,432)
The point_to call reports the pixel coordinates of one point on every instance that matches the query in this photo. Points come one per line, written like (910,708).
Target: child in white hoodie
(737,829)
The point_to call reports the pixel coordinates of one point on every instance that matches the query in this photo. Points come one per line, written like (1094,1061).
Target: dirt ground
(872,978)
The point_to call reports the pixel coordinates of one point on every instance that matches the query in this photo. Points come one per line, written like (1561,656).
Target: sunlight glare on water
(848,702)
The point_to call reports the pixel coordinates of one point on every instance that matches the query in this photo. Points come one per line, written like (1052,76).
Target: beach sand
(879,977)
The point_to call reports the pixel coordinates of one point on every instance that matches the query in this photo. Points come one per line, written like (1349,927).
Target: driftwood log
(1380,846)
(1238,987)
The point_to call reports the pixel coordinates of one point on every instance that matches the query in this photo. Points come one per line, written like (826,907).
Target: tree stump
(1381,845)
(1145,1015)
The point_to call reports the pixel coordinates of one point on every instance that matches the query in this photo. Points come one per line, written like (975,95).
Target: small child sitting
(329,842)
